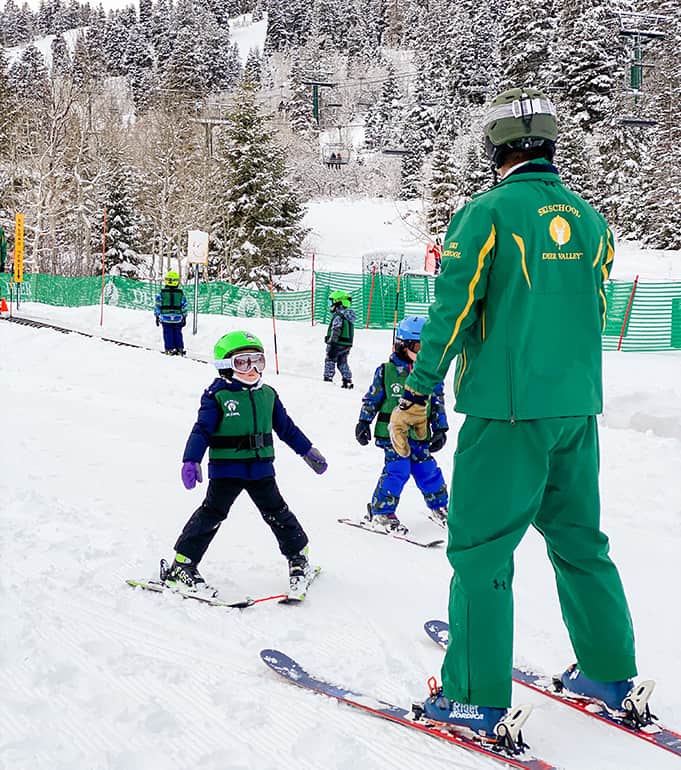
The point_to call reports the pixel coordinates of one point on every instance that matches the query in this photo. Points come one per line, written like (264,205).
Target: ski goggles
(244,362)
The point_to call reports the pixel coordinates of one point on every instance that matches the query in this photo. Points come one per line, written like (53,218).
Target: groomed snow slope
(97,676)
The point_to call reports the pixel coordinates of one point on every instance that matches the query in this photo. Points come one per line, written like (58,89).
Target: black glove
(438,440)
(184,320)
(332,351)
(158,321)
(363,432)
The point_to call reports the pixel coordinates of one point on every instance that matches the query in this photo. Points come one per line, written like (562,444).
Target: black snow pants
(204,523)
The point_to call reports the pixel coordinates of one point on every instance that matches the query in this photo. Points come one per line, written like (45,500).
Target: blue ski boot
(480,720)
(611,694)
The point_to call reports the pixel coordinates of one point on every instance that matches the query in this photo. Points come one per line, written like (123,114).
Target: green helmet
(172,278)
(340,297)
(520,119)
(233,342)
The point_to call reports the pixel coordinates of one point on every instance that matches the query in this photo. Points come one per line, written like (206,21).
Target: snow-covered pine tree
(8,23)
(138,61)
(8,101)
(216,54)
(145,18)
(263,212)
(529,35)
(382,125)
(299,106)
(253,68)
(329,24)
(117,32)
(411,182)
(661,198)
(61,59)
(444,191)
(593,73)
(162,36)
(123,231)
(277,37)
(28,77)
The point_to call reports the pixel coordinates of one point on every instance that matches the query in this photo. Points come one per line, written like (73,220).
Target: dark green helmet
(520,119)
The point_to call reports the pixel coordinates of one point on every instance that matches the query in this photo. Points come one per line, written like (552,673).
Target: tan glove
(409,413)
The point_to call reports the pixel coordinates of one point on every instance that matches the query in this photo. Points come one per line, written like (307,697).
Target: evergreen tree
(162,37)
(8,101)
(529,38)
(661,171)
(123,223)
(444,192)
(412,163)
(9,19)
(137,62)
(61,59)
(253,68)
(263,213)
(28,77)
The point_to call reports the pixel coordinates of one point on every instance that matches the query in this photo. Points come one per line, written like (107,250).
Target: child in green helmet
(236,419)
(171,313)
(339,338)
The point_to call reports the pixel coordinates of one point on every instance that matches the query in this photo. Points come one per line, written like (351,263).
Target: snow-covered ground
(100,677)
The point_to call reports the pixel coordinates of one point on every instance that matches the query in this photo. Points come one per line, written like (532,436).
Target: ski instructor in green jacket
(520,301)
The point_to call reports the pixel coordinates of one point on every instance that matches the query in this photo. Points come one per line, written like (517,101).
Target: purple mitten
(191,473)
(315,459)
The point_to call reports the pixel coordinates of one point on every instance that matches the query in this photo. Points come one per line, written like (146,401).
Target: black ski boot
(347,384)
(184,575)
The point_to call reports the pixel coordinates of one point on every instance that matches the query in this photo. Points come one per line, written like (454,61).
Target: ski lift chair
(335,155)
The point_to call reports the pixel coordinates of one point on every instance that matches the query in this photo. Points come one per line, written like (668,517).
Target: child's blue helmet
(409,328)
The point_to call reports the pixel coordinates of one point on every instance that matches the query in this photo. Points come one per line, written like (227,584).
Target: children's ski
(365,526)
(653,732)
(297,596)
(293,672)
(213,601)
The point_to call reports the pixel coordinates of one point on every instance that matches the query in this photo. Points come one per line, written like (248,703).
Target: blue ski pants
(172,336)
(337,356)
(396,472)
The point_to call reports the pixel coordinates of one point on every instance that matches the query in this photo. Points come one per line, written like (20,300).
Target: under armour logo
(500,584)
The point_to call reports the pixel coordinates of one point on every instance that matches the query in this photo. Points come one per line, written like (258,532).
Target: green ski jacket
(520,300)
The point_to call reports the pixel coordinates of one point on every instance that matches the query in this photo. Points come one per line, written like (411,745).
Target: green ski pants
(508,476)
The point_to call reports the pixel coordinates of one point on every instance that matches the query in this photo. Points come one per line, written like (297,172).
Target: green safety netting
(652,311)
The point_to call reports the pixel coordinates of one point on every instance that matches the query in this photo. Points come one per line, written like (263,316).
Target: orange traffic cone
(4,310)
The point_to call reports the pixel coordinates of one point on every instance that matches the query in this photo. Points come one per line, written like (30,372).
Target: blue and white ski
(653,732)
(293,672)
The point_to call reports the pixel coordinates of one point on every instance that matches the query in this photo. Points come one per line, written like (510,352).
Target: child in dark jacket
(339,338)
(235,422)
(379,401)
(170,310)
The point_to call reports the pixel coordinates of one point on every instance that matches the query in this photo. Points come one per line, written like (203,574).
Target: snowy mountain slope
(99,676)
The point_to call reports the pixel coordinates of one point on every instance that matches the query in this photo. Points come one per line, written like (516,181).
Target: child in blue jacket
(237,416)
(170,310)
(379,401)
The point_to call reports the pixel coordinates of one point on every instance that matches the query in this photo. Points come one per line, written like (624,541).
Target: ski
(298,596)
(214,601)
(364,525)
(293,672)
(653,732)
